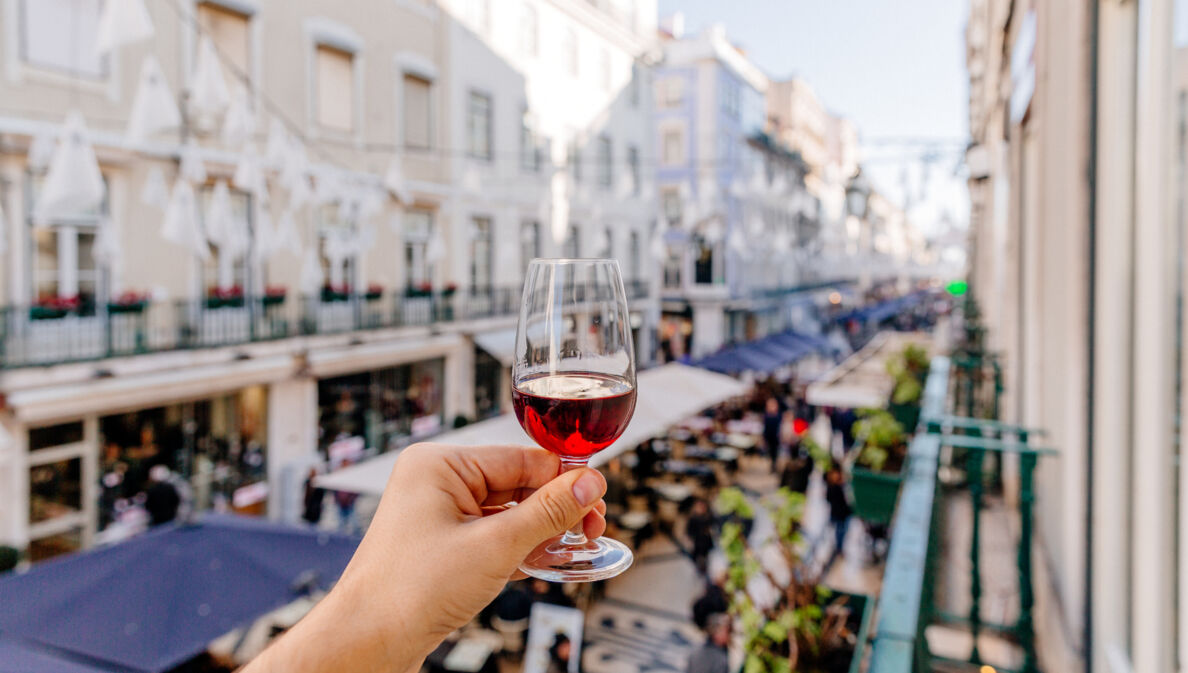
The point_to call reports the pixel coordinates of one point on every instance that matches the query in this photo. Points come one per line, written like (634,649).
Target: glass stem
(574,536)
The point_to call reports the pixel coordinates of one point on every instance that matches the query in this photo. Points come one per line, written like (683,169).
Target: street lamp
(858,194)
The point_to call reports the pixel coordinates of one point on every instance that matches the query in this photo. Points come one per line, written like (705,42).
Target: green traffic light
(957,288)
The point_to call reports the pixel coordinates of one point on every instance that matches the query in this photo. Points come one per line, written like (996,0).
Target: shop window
(48,547)
(55,490)
(388,408)
(334,88)
(60,35)
(55,435)
(488,383)
(231,33)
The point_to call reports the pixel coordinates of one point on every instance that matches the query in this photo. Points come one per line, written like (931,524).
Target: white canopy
(861,381)
(667,395)
(500,344)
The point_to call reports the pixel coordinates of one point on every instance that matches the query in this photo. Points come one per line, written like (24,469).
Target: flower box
(53,308)
(274,296)
(374,293)
(875,493)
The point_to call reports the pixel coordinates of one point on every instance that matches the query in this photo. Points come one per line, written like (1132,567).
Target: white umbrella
(155,192)
(658,247)
(265,238)
(395,183)
(122,22)
(192,168)
(41,149)
(327,187)
(154,108)
(287,237)
(300,192)
(218,218)
(181,224)
(106,248)
(276,149)
(239,124)
(371,203)
(208,90)
(756,226)
(74,184)
(295,163)
(712,232)
(248,176)
(311,273)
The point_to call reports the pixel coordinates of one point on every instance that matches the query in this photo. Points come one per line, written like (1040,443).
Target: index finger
(501,468)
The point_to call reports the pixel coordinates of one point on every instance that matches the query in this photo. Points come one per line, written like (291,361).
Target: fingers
(507,471)
(550,510)
(594,524)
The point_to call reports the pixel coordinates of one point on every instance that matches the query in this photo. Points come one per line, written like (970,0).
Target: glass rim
(573,260)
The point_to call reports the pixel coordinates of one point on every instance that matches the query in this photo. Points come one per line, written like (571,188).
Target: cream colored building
(1077,229)
(238,394)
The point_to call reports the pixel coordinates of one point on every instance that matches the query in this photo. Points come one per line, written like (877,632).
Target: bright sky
(896,69)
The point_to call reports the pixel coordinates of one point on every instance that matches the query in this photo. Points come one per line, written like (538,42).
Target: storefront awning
(861,381)
(768,354)
(500,344)
(155,601)
(667,395)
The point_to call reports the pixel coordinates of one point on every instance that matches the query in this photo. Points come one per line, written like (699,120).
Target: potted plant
(374,292)
(790,620)
(423,289)
(332,293)
(9,558)
(53,307)
(219,297)
(909,369)
(128,302)
(449,289)
(274,295)
(878,466)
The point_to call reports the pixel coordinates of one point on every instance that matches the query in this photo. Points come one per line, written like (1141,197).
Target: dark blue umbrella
(155,601)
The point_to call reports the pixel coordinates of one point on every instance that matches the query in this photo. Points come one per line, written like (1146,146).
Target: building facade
(1076,179)
(737,218)
(348,263)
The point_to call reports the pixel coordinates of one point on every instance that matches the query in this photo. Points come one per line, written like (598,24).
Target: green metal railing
(906,605)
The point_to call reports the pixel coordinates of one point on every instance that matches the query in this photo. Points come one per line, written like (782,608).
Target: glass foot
(592,560)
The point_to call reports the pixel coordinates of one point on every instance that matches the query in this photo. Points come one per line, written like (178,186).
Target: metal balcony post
(974,477)
(1025,628)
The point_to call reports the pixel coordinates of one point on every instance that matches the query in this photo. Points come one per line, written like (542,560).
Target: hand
(441,546)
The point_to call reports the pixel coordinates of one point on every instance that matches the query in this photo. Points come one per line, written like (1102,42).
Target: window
(64,262)
(605,165)
(60,35)
(529,148)
(571,248)
(55,490)
(633,168)
(672,269)
(608,243)
(417,113)
(480,254)
(604,69)
(335,88)
(224,270)
(338,263)
(703,266)
(672,92)
(633,91)
(417,229)
(671,197)
(575,161)
(571,52)
(529,242)
(730,97)
(634,256)
(672,150)
(529,32)
(230,32)
(478,125)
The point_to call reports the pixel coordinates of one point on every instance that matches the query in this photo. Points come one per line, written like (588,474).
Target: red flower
(275,290)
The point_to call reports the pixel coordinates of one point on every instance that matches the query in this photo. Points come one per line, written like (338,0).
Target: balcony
(40,336)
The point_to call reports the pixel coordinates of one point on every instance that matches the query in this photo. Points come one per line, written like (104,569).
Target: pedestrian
(161,499)
(700,530)
(771,430)
(346,511)
(712,656)
(312,511)
(839,511)
(559,654)
(712,602)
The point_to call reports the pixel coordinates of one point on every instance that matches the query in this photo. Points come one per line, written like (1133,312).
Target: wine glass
(573,389)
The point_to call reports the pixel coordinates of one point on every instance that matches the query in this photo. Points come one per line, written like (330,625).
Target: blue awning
(17,657)
(766,355)
(155,601)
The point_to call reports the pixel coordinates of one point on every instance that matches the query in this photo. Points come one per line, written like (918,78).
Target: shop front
(388,408)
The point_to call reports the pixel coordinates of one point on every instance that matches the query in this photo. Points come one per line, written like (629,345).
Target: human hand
(441,546)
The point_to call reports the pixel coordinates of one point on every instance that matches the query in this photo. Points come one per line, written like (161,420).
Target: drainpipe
(1091,318)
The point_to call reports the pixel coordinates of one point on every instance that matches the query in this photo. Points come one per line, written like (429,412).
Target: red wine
(575,414)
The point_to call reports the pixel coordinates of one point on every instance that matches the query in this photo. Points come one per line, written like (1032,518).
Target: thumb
(549,511)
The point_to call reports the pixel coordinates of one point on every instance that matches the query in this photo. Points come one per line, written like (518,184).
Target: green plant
(817,453)
(882,438)
(909,369)
(804,625)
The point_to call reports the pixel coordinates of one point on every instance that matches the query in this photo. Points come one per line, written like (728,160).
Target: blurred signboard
(554,631)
